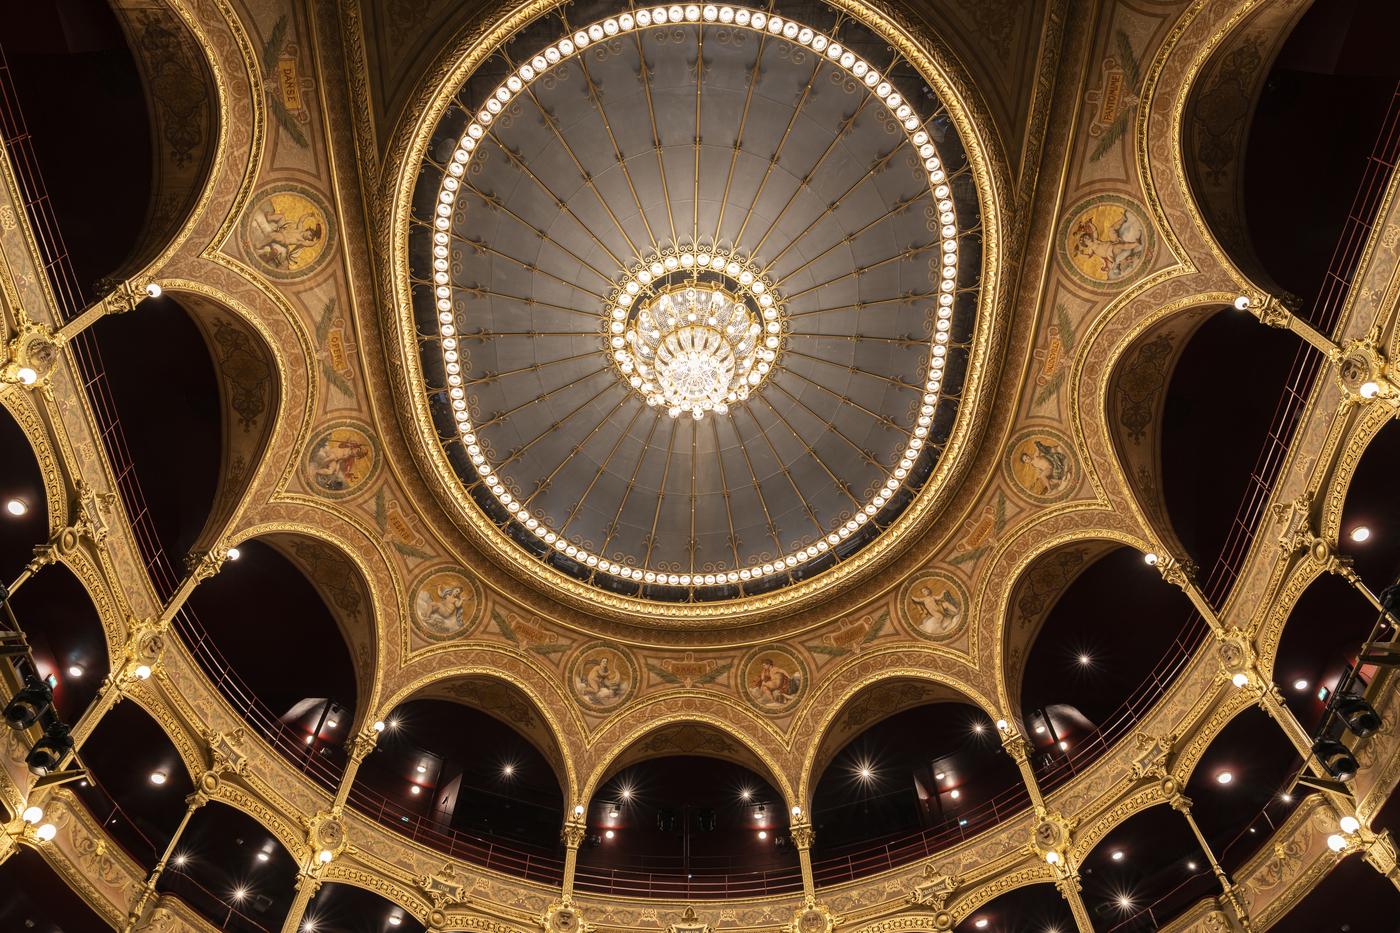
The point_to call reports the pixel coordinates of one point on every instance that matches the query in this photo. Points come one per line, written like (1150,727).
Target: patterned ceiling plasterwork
(1113,246)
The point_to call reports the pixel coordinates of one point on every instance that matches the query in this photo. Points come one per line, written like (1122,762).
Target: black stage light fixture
(25,708)
(48,753)
(1336,758)
(1358,715)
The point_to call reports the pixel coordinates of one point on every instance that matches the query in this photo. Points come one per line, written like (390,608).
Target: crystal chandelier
(696,349)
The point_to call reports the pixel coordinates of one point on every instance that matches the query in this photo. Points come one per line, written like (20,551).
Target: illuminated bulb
(981,923)
(1001,725)
(234,553)
(578,809)
(153,290)
(422,769)
(325,855)
(763,834)
(1190,866)
(16,507)
(1124,901)
(1242,303)
(157,778)
(415,790)
(395,920)
(955,793)
(1052,857)
(1151,559)
(1117,856)
(46,832)
(75,670)
(609,834)
(263,856)
(1239,680)
(143,671)
(240,893)
(1039,730)
(1064,746)
(310,739)
(1370,389)
(1349,824)
(1360,533)
(797,811)
(331,723)
(1085,660)
(1286,798)
(378,726)
(32,815)
(509,769)
(745,793)
(27,376)
(1336,843)
(1300,684)
(1224,777)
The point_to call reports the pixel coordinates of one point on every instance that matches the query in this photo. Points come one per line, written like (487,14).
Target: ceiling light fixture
(46,832)
(234,553)
(1336,843)
(422,769)
(609,834)
(1224,777)
(157,778)
(980,923)
(763,834)
(16,507)
(1150,559)
(240,893)
(1085,660)
(955,793)
(1064,746)
(378,726)
(1360,533)
(507,770)
(1300,684)
(32,814)
(75,670)
(1191,866)
(415,790)
(1349,823)
(1286,798)
(263,856)
(395,920)
(1117,855)
(331,723)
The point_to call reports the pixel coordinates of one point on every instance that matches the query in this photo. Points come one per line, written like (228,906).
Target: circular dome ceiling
(694,288)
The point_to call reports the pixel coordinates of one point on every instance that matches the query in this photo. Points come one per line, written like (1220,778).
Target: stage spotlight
(29,703)
(48,753)
(1336,758)
(1358,715)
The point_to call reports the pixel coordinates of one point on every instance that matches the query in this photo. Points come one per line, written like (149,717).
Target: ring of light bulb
(638,331)
(515,86)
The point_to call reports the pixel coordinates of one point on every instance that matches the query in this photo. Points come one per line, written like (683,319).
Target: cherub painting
(602,677)
(774,680)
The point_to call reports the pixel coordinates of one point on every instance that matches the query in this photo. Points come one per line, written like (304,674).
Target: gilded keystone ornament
(563,917)
(445,888)
(934,890)
(30,356)
(812,917)
(689,922)
(1235,651)
(325,832)
(1051,836)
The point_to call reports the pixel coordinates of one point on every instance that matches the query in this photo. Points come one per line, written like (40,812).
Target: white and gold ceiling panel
(694,287)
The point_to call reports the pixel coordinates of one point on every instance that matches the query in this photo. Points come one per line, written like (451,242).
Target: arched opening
(470,766)
(1032,908)
(194,418)
(1144,872)
(348,908)
(906,768)
(303,696)
(1241,132)
(1370,526)
(136,785)
(65,637)
(38,900)
(138,76)
(1242,788)
(24,508)
(1223,394)
(1320,645)
(231,871)
(1102,635)
(687,811)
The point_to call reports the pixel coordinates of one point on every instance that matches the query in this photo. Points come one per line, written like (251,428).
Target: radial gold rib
(757,488)
(558,202)
(695,196)
(724,485)
(577,507)
(812,451)
(583,173)
(861,451)
(497,204)
(787,474)
(532,368)
(479,292)
(531,267)
(778,151)
(655,135)
(898,208)
(660,495)
(874,416)
(863,372)
(754,75)
(631,483)
(511,412)
(573,451)
(862,305)
(551,428)
(903,254)
(597,100)
(694,430)
(806,179)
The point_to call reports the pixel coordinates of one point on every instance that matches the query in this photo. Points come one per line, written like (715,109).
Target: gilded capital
(802,835)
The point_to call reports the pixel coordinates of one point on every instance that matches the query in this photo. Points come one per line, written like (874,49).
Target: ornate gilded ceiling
(695,289)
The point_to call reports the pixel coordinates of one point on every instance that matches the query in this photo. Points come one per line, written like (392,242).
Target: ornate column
(308,883)
(1182,805)
(193,802)
(1052,839)
(575,828)
(1019,748)
(802,837)
(1182,573)
(360,748)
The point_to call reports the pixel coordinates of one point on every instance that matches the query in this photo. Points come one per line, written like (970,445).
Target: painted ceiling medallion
(699,297)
